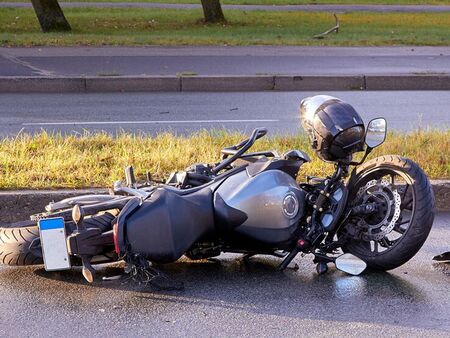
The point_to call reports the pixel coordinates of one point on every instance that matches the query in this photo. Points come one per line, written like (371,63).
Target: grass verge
(96,160)
(91,26)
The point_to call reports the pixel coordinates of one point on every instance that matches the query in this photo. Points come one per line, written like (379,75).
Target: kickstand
(285,263)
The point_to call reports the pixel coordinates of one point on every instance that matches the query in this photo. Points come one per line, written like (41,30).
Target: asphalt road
(188,112)
(308,8)
(256,60)
(229,297)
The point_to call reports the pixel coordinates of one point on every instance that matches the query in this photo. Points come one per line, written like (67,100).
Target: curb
(412,82)
(322,82)
(441,189)
(18,205)
(226,83)
(222,83)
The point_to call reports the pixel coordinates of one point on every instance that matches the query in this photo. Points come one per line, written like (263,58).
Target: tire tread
(419,227)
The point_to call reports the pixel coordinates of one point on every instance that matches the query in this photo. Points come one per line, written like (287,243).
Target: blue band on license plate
(54,244)
(51,223)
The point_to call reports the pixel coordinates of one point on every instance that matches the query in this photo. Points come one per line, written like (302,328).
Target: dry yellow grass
(96,160)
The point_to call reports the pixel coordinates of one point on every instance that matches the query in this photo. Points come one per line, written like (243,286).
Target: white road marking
(36,70)
(75,123)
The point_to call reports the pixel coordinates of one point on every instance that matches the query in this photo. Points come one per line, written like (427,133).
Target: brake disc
(377,226)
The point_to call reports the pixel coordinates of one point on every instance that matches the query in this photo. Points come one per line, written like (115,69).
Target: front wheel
(404,201)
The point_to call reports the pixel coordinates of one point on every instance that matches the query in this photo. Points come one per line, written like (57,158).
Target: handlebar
(237,150)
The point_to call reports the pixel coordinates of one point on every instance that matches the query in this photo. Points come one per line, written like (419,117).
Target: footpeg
(86,243)
(78,217)
(88,271)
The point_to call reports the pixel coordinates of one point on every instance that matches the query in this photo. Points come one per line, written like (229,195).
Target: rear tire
(16,238)
(15,242)
(420,210)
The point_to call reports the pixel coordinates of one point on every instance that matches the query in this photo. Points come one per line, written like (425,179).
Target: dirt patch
(18,206)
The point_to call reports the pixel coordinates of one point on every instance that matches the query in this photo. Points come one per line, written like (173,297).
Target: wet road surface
(221,60)
(229,297)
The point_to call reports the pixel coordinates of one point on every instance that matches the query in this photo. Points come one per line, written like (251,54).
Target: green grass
(276,2)
(19,27)
(96,160)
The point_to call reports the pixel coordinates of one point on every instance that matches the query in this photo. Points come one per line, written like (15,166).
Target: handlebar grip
(228,151)
(260,132)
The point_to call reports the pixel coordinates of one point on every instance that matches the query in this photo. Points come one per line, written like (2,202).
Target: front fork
(311,241)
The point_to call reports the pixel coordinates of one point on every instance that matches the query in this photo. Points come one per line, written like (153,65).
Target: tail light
(116,238)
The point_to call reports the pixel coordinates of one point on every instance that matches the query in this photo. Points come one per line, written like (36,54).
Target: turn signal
(116,238)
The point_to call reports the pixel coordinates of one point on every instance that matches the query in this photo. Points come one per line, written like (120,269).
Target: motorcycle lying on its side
(374,214)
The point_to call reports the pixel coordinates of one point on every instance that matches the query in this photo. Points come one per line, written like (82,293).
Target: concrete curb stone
(226,83)
(21,84)
(132,84)
(441,189)
(325,82)
(222,83)
(410,82)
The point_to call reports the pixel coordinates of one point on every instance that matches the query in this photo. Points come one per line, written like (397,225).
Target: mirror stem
(368,151)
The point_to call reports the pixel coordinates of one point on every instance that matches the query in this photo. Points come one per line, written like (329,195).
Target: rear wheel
(16,238)
(405,203)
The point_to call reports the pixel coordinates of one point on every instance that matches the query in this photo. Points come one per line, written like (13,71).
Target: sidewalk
(84,69)
(307,8)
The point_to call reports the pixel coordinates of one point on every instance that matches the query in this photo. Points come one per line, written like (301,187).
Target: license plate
(54,244)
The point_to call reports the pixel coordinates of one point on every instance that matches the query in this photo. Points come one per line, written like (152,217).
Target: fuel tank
(264,207)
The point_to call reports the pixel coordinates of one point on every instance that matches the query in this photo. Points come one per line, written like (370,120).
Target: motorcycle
(375,214)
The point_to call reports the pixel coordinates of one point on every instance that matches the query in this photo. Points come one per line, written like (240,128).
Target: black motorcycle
(374,214)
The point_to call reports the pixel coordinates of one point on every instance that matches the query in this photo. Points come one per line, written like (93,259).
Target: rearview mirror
(376,132)
(350,264)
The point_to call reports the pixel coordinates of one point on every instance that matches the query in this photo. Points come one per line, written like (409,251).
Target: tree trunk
(212,11)
(50,15)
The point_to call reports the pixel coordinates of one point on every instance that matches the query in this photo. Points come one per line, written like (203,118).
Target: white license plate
(54,244)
